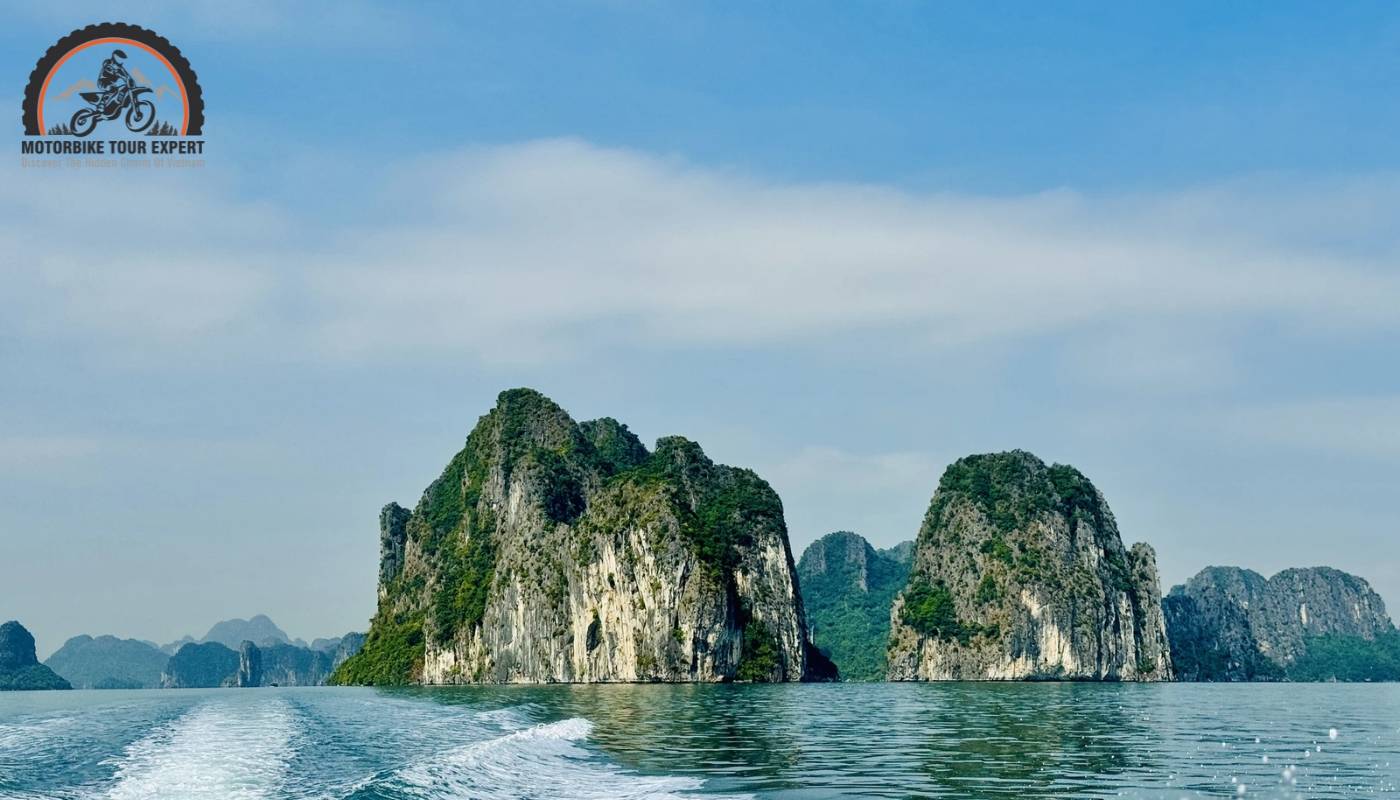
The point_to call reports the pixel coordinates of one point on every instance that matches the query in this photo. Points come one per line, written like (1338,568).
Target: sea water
(742,741)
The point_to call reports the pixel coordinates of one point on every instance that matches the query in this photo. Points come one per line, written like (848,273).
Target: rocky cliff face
(20,669)
(847,589)
(1231,624)
(249,666)
(286,665)
(1019,573)
(282,665)
(553,551)
(106,662)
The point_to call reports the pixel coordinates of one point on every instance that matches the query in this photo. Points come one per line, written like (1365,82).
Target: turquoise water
(802,741)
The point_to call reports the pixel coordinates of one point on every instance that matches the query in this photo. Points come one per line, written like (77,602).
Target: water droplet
(1332,734)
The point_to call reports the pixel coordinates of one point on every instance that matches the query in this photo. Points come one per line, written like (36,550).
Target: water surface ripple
(654,742)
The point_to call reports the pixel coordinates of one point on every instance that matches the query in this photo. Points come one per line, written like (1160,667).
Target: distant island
(107,662)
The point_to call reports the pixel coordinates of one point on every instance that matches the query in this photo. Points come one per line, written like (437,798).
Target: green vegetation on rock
(1014,488)
(392,655)
(847,589)
(1348,658)
(761,658)
(718,508)
(929,609)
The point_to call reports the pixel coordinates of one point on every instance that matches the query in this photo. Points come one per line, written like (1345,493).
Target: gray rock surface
(1232,624)
(249,666)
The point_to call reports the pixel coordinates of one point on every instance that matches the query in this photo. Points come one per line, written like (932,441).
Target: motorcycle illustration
(140,111)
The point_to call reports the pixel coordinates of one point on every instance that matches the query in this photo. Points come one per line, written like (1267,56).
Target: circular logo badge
(115,78)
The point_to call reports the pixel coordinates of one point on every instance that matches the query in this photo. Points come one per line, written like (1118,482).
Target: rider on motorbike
(113,78)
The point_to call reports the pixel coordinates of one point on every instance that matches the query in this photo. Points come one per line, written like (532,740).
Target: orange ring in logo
(44,92)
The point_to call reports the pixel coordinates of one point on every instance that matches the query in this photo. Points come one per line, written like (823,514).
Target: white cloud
(560,249)
(524,247)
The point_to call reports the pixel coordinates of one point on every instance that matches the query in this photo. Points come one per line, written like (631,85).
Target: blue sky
(842,245)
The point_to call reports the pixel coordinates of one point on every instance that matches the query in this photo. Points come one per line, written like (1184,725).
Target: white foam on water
(545,762)
(218,749)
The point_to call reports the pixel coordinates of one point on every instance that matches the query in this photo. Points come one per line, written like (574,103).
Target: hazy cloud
(555,249)
(30,454)
(1354,426)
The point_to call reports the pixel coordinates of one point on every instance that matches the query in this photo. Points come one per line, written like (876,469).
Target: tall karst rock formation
(1019,573)
(557,551)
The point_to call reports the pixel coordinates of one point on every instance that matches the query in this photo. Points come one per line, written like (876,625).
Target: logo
(113,89)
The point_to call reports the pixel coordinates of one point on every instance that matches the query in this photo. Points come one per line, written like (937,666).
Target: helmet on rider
(118,54)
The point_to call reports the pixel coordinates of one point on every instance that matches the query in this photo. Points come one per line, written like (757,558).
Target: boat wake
(545,761)
(215,750)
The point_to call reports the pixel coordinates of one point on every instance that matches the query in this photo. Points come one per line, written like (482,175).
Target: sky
(840,244)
